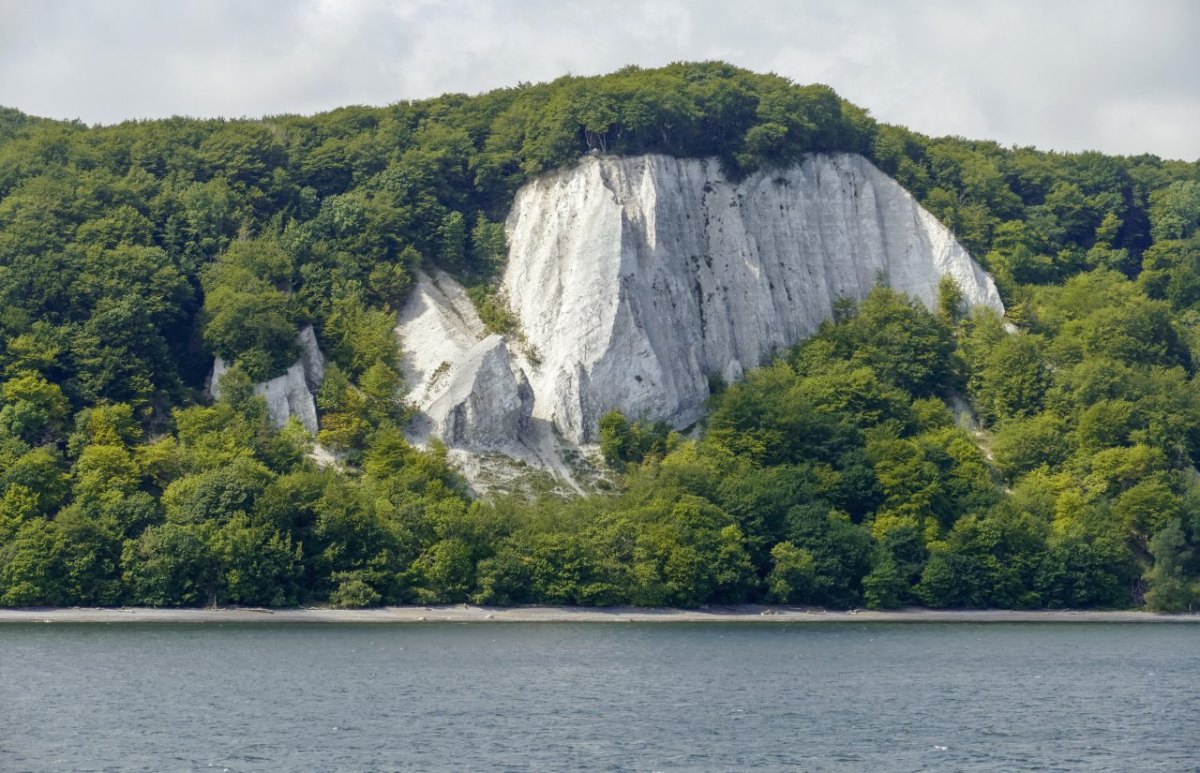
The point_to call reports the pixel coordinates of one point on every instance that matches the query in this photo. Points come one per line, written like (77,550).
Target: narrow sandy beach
(471,614)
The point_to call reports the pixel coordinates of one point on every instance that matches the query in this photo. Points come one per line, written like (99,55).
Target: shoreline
(463,613)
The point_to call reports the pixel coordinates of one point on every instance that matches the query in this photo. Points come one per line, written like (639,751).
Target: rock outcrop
(636,279)
(466,387)
(485,405)
(290,394)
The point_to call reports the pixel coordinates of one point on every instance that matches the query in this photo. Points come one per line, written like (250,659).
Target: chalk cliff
(290,394)
(468,391)
(634,280)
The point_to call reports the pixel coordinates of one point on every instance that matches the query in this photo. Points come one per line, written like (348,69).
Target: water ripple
(249,699)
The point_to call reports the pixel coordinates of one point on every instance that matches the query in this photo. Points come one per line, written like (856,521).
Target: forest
(841,475)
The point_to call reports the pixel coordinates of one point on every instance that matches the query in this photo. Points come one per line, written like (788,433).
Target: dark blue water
(870,697)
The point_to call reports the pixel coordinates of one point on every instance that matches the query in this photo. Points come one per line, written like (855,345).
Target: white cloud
(1113,75)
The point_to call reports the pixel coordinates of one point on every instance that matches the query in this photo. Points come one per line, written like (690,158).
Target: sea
(600,697)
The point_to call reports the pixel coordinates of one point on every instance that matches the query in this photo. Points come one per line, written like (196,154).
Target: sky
(1110,75)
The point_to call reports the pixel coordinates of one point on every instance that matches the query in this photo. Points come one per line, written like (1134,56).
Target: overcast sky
(1122,77)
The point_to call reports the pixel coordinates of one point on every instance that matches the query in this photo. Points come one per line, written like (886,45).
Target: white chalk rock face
(468,390)
(484,405)
(636,279)
(294,392)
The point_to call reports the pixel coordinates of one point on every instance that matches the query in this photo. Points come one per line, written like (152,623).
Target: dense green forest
(130,255)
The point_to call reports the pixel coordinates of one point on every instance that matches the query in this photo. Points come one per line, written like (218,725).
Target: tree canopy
(131,255)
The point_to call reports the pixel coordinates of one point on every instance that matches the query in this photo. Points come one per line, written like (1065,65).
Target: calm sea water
(870,697)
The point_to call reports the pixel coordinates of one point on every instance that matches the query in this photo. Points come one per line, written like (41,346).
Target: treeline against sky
(131,255)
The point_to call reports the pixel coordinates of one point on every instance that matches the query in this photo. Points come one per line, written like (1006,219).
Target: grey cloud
(1074,74)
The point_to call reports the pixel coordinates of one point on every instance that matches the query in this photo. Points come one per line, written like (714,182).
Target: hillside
(132,255)
(640,283)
